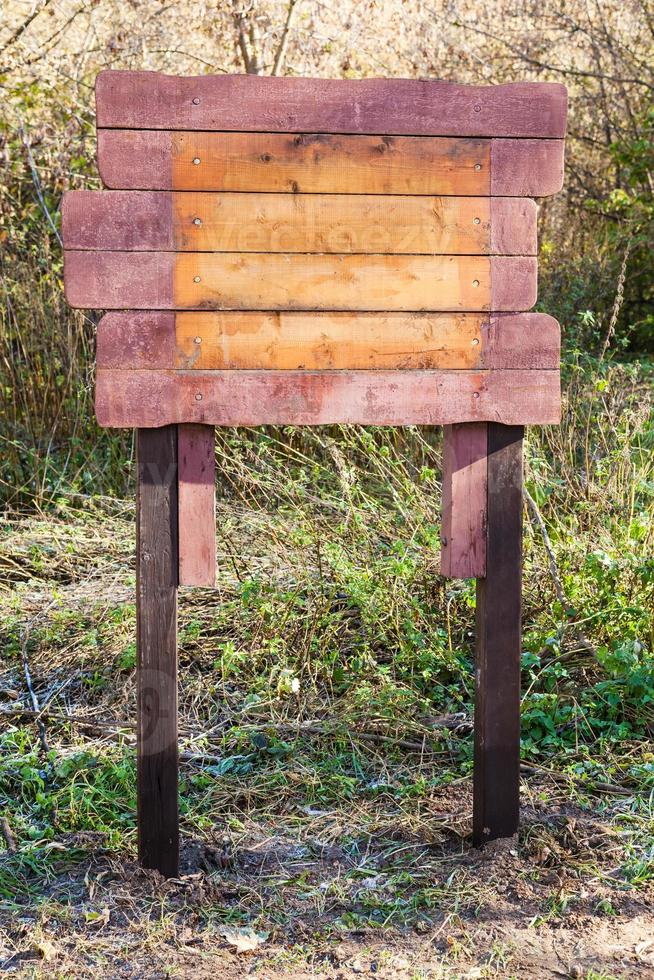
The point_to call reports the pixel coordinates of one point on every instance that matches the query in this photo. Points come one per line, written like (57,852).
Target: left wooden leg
(497,702)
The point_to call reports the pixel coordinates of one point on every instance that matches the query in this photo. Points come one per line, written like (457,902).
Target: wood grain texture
(340,223)
(266,281)
(196,448)
(148,100)
(496,779)
(156,644)
(152,398)
(463,530)
(338,341)
(319,163)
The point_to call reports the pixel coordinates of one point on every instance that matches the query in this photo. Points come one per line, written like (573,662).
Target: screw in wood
(196,101)
(475,394)
(197,340)
(475,341)
(197,221)
(475,282)
(476,221)
(477,165)
(198,397)
(197,279)
(477,108)
(196,160)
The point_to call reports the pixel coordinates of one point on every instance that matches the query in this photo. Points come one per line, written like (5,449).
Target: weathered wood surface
(340,223)
(338,341)
(152,398)
(496,801)
(319,163)
(156,644)
(196,448)
(463,530)
(139,100)
(268,281)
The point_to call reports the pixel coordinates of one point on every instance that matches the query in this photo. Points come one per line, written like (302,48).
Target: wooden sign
(309,251)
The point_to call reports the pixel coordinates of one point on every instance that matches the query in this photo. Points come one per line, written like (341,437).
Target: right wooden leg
(156,631)
(497,701)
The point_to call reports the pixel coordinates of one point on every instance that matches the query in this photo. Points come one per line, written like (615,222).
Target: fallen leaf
(245,940)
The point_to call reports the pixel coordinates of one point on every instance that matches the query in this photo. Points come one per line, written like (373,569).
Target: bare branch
(280,56)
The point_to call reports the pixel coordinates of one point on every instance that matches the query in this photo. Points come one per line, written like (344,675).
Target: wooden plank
(319,163)
(264,281)
(497,704)
(156,642)
(290,163)
(197,504)
(340,223)
(148,100)
(337,341)
(463,534)
(152,398)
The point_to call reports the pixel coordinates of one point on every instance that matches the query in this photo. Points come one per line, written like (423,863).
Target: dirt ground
(537,907)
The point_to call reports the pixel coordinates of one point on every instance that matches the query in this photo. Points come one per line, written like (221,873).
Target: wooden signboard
(308,251)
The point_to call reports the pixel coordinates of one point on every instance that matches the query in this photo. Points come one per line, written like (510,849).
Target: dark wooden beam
(497,703)
(156,608)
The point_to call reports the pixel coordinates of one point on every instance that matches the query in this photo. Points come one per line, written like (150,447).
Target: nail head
(196,101)
(197,340)
(198,397)
(477,165)
(197,221)
(196,279)
(476,221)
(196,160)
(475,282)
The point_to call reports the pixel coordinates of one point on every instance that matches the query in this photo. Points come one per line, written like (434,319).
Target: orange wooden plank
(341,223)
(463,533)
(310,341)
(319,163)
(264,281)
(153,398)
(196,454)
(332,282)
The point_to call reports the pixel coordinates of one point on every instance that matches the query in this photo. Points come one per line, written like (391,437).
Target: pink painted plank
(251,103)
(153,398)
(146,280)
(513,226)
(119,280)
(131,340)
(514,283)
(125,220)
(526,168)
(513,341)
(136,159)
(146,340)
(463,536)
(196,454)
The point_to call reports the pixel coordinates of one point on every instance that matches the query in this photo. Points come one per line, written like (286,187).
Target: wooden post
(156,626)
(497,702)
